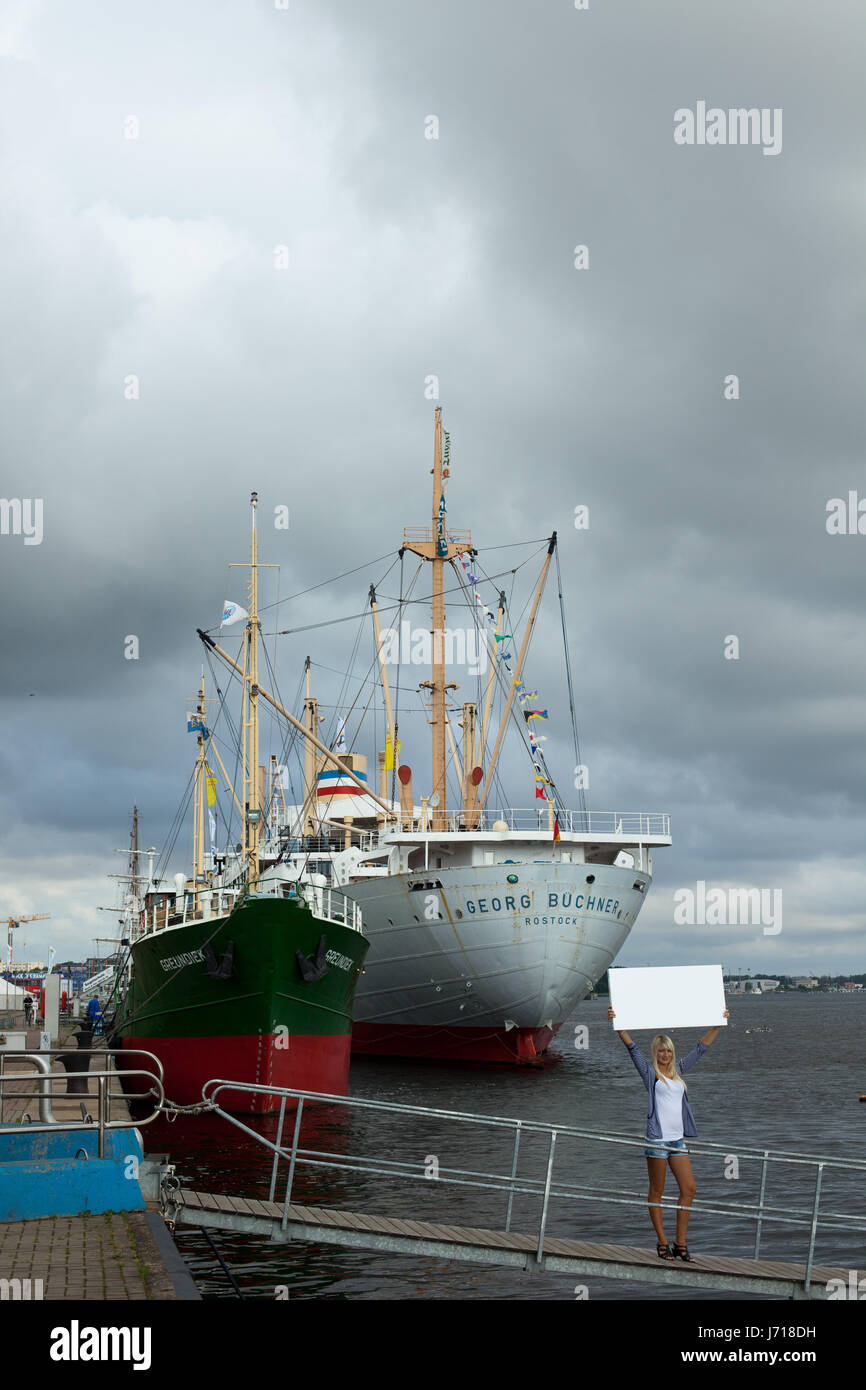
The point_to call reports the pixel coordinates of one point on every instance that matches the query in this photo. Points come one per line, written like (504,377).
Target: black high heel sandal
(681,1252)
(664,1252)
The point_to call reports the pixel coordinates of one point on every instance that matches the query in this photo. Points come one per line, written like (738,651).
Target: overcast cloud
(154,257)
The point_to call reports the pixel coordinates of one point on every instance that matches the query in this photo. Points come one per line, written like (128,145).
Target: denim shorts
(668,1148)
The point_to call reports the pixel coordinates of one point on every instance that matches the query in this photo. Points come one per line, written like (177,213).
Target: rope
(582,797)
(171,1110)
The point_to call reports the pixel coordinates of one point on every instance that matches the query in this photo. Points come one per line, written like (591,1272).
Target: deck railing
(326,903)
(631,825)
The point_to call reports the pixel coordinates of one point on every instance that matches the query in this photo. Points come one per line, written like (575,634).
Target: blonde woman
(669,1122)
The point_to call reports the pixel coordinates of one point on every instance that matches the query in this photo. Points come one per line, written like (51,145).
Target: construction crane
(13,922)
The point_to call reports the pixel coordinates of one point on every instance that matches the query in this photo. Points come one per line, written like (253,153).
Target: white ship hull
(464,964)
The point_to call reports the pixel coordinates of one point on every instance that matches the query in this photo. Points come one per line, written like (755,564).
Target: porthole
(590,878)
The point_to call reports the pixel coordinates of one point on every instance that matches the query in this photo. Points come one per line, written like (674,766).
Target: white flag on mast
(232,613)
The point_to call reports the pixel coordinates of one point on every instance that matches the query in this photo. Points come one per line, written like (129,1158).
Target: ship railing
(324,902)
(631,825)
(332,906)
(152,1078)
(425,534)
(548,1185)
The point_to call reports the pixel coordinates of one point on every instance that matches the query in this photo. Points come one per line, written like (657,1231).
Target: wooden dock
(326,1225)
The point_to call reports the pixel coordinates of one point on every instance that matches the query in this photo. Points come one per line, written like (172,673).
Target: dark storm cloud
(409,257)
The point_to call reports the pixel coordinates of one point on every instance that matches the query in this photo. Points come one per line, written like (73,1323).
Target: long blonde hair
(672,1074)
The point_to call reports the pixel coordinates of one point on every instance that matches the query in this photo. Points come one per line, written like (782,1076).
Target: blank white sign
(666,997)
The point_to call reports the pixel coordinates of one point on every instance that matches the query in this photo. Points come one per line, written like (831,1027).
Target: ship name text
(341,962)
(178,962)
(589,902)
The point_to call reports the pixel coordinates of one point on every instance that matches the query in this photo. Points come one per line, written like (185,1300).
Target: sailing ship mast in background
(249,672)
(252,786)
(438,546)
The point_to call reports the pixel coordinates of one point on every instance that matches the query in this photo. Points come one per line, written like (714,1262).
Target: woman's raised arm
(709,1038)
(624,1037)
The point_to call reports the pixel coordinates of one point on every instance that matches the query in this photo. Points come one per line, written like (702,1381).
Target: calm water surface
(793,1085)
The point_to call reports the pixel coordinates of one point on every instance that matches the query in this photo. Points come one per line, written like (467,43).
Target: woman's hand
(610,1015)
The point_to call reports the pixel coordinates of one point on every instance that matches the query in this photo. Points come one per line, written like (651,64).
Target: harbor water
(786,1074)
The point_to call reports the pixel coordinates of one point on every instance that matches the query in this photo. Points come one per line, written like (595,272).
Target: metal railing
(425,533)
(323,902)
(633,825)
(332,906)
(104,1093)
(547,1188)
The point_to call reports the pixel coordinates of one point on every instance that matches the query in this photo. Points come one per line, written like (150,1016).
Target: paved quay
(110,1256)
(65,1107)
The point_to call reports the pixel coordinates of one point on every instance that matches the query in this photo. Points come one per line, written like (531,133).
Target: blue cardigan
(649,1078)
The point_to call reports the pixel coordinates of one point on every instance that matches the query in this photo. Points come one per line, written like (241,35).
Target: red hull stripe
(521,1045)
(308,1063)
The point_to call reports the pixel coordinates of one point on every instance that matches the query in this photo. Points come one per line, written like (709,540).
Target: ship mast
(199,797)
(133,859)
(312,720)
(437,548)
(252,798)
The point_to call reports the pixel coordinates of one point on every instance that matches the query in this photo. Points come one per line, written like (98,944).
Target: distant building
(75,972)
(28,974)
(806,983)
(751,986)
(849,984)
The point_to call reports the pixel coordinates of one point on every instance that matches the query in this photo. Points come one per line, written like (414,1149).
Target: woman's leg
(657,1169)
(681,1166)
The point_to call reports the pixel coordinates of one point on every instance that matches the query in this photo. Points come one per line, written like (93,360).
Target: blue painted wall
(47,1174)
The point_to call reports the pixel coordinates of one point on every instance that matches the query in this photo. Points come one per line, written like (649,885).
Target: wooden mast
(437,550)
(133,857)
(311,720)
(386,688)
(199,797)
(438,692)
(252,797)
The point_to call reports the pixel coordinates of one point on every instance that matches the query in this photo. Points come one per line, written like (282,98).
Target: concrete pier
(99,1254)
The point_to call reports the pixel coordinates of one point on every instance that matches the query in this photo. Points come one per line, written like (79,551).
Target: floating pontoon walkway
(536,1251)
(767,1278)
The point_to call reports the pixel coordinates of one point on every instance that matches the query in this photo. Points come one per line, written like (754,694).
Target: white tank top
(669,1108)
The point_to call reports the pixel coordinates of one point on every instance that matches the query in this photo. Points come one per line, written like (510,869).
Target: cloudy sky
(156,158)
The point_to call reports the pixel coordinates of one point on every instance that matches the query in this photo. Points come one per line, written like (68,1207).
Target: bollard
(75,1063)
